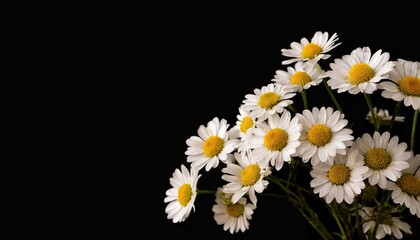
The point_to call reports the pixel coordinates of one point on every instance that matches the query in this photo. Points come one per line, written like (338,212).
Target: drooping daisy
(404,84)
(233,216)
(211,145)
(384,156)
(382,117)
(406,190)
(324,134)
(181,196)
(245,177)
(340,180)
(360,71)
(243,129)
(387,225)
(276,140)
(302,76)
(270,99)
(313,51)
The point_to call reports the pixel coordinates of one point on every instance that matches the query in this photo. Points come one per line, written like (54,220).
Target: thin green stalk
(358,224)
(394,114)
(305,100)
(413,129)
(378,217)
(277,181)
(335,214)
(291,108)
(372,111)
(203,192)
(283,181)
(337,105)
(306,211)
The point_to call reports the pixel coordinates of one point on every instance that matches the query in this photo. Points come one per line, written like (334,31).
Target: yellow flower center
(311,50)
(250,175)
(339,174)
(276,139)
(235,210)
(300,78)
(213,146)
(360,73)
(246,124)
(319,135)
(410,86)
(377,158)
(409,184)
(184,194)
(269,100)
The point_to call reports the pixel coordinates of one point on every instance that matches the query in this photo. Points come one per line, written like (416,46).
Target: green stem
(300,204)
(291,108)
(413,129)
(335,213)
(332,95)
(378,217)
(358,224)
(297,187)
(396,110)
(202,192)
(372,111)
(305,100)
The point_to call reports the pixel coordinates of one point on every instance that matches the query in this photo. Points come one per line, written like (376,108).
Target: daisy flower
(387,225)
(211,145)
(406,190)
(302,76)
(276,140)
(312,51)
(181,196)
(404,84)
(360,71)
(324,134)
(243,129)
(385,157)
(270,99)
(342,179)
(382,117)
(233,216)
(245,177)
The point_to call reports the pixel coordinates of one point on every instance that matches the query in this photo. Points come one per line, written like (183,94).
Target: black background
(97,100)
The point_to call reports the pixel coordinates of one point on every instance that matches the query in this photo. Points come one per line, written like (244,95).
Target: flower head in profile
(270,99)
(211,145)
(324,135)
(404,84)
(340,180)
(276,140)
(181,196)
(233,216)
(360,71)
(245,177)
(321,43)
(300,77)
(406,190)
(382,117)
(385,157)
(387,224)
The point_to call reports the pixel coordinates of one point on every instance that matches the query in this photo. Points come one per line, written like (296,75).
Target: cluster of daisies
(347,171)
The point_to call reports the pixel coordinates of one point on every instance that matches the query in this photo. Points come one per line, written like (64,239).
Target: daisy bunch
(347,157)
